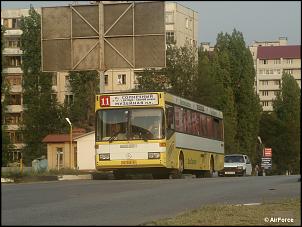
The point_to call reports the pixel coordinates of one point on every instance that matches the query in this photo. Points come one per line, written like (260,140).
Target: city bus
(157,133)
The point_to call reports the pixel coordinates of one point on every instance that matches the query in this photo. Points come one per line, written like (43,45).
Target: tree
(41,115)
(242,77)
(287,109)
(270,133)
(84,86)
(181,70)
(152,80)
(178,76)
(212,88)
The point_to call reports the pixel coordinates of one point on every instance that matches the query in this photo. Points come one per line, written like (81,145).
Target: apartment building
(181,28)
(12,54)
(271,59)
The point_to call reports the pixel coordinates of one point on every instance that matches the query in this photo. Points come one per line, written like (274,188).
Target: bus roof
(192,105)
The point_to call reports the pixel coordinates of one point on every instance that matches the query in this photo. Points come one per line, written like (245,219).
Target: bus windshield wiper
(113,136)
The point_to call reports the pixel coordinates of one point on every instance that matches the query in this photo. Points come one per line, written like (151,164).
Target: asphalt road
(132,202)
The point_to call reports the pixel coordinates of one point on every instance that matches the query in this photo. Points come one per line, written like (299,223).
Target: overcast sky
(258,20)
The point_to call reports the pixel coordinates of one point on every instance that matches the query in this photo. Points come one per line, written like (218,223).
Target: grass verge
(231,215)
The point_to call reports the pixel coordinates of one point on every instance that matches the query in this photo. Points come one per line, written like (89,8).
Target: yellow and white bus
(158,133)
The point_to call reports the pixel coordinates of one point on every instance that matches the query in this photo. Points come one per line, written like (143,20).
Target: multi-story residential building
(12,54)
(271,59)
(12,68)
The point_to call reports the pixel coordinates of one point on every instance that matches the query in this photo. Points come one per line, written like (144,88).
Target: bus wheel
(211,173)
(181,163)
(119,175)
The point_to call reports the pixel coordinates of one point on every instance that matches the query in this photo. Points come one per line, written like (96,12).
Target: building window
(60,158)
(11,23)
(106,79)
(289,61)
(14,99)
(67,82)
(53,96)
(14,80)
(265,103)
(276,93)
(12,61)
(264,82)
(264,93)
(12,42)
(277,61)
(277,82)
(68,100)
(170,37)
(169,17)
(121,79)
(187,23)
(12,118)
(54,79)
(288,71)
(15,136)
(264,62)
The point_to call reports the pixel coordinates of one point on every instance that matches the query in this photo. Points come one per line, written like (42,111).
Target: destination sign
(129,100)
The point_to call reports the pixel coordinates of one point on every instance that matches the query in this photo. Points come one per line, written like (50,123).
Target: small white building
(86,151)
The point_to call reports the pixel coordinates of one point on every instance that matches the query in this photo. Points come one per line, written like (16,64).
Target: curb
(75,177)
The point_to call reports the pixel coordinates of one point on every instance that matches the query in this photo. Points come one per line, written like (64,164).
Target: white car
(236,165)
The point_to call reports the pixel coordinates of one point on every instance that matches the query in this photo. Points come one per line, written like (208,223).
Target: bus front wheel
(119,175)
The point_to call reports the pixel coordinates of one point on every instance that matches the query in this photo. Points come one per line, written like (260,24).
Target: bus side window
(170,120)
(203,125)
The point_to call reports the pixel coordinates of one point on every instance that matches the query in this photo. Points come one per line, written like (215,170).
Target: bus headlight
(105,156)
(153,155)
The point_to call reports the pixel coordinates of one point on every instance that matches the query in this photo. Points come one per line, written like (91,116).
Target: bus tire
(119,175)
(210,173)
(181,165)
(160,175)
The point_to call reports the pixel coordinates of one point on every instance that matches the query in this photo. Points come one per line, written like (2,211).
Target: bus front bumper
(129,164)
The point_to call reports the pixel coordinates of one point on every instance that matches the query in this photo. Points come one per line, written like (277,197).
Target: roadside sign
(267,152)
(103,36)
(266,163)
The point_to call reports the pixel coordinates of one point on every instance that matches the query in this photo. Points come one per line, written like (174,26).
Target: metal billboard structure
(103,36)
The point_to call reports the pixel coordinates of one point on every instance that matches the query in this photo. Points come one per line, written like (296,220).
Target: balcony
(16,89)
(13,32)
(14,108)
(12,127)
(12,70)
(12,51)
(267,108)
(273,87)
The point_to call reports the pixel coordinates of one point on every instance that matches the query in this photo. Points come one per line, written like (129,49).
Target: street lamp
(70,145)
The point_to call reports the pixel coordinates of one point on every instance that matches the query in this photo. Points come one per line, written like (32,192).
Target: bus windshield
(130,124)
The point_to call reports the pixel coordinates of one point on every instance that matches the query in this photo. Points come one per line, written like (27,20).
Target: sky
(257,20)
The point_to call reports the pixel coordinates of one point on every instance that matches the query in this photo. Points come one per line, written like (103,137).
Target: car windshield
(231,159)
(130,124)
